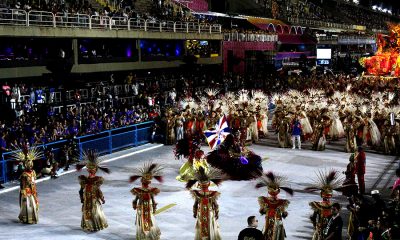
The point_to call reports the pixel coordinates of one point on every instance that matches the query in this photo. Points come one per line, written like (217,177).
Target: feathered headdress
(204,176)
(91,160)
(147,172)
(28,155)
(326,182)
(186,148)
(211,92)
(274,183)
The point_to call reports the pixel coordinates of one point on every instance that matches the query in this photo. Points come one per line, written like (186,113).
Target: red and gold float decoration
(386,61)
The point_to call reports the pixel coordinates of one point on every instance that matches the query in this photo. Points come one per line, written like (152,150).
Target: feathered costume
(144,203)
(238,163)
(205,208)
(93,218)
(273,208)
(336,129)
(189,149)
(326,182)
(29,203)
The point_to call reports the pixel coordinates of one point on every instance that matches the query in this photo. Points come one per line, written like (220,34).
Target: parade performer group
(314,115)
(198,181)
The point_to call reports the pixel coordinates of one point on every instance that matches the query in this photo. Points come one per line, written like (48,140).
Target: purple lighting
(128,52)
(244,160)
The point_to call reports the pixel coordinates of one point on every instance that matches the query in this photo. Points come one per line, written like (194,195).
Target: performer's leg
(293,142)
(298,141)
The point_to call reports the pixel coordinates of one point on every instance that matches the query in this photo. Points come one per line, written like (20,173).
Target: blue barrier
(104,142)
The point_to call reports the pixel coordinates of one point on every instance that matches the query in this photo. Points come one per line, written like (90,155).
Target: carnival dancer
(170,125)
(273,207)
(93,218)
(349,184)
(179,127)
(263,123)
(205,208)
(190,149)
(351,144)
(235,160)
(336,130)
(192,165)
(306,126)
(144,203)
(296,132)
(29,203)
(371,132)
(326,182)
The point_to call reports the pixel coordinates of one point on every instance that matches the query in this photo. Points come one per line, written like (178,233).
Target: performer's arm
(134,202)
(154,204)
(216,209)
(314,218)
(195,208)
(81,194)
(262,205)
(101,196)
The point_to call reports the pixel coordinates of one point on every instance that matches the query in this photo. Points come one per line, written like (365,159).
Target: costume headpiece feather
(147,172)
(274,183)
(28,154)
(205,176)
(326,182)
(92,160)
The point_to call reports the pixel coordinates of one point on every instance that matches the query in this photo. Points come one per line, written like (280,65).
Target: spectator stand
(65,20)
(104,142)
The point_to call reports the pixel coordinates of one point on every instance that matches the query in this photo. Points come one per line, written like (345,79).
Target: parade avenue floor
(60,207)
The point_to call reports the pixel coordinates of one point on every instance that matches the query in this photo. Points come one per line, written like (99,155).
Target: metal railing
(349,39)
(104,142)
(250,37)
(68,20)
(316,23)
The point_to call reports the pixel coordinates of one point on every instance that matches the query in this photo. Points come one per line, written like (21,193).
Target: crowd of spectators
(310,11)
(364,17)
(36,120)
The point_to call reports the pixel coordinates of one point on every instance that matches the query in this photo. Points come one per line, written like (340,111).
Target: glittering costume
(305,123)
(336,129)
(273,208)
(29,203)
(351,143)
(349,184)
(144,203)
(326,183)
(170,125)
(205,208)
(188,169)
(236,161)
(93,218)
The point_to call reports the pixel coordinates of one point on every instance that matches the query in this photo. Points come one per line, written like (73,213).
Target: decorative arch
(286,29)
(279,29)
(300,30)
(273,27)
(293,30)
